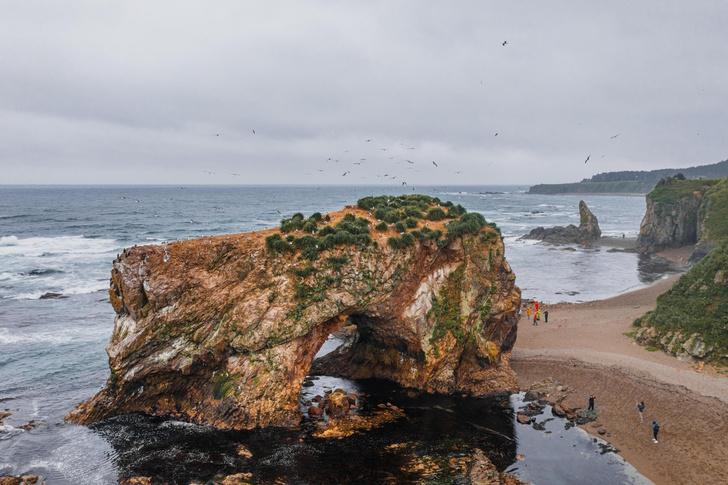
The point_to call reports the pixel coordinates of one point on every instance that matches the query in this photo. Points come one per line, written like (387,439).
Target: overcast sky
(142,92)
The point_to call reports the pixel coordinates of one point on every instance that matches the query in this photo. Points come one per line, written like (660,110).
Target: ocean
(61,240)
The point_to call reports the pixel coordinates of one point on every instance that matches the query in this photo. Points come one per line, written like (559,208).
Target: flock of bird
(388,156)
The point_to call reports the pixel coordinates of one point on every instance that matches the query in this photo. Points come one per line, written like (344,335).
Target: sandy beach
(583,346)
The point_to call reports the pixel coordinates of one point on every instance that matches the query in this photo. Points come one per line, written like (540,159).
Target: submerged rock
(223,330)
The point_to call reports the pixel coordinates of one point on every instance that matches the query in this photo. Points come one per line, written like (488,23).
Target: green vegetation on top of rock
(697,303)
(671,189)
(313,234)
(716,219)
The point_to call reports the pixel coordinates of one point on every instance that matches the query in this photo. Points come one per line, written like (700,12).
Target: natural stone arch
(222,331)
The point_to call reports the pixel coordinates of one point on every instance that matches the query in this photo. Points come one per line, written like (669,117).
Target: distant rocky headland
(223,330)
(630,181)
(691,319)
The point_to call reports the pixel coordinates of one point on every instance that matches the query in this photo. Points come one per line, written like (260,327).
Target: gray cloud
(134,92)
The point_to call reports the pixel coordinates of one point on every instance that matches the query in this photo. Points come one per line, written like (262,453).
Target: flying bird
(496,133)
(216,134)
(404,183)
(613,137)
(344,174)
(367,141)
(433,162)
(505,42)
(254,132)
(587,159)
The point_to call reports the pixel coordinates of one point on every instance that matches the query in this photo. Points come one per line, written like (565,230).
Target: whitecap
(9,338)
(8,241)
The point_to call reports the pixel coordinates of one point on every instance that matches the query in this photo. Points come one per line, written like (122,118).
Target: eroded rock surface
(587,232)
(222,330)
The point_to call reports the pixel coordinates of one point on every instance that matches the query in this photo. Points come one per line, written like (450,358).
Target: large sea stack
(587,233)
(223,330)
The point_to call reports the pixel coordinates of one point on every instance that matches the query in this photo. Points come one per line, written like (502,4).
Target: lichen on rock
(223,330)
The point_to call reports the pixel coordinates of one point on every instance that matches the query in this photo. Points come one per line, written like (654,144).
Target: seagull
(496,134)
(505,42)
(235,174)
(613,137)
(254,132)
(409,161)
(344,174)
(459,171)
(216,134)
(587,159)
(433,162)
(367,141)
(404,183)
(281,213)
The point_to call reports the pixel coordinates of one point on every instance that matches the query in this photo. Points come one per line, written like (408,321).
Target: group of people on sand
(640,418)
(537,312)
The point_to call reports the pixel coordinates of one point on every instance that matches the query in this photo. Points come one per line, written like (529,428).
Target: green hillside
(692,317)
(630,181)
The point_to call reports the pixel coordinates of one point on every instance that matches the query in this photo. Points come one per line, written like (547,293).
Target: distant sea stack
(223,330)
(586,234)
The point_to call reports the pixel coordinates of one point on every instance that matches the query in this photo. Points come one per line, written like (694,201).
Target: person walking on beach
(528,312)
(546,316)
(655,430)
(591,402)
(641,409)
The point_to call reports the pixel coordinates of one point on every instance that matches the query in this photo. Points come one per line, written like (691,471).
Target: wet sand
(583,346)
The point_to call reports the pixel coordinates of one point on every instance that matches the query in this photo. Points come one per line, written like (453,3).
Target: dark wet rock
(558,410)
(607,448)
(51,295)
(523,418)
(136,481)
(236,479)
(21,480)
(315,412)
(586,234)
(539,426)
(586,416)
(28,426)
(602,431)
(548,391)
(3,416)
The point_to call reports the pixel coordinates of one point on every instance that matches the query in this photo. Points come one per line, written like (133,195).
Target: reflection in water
(439,426)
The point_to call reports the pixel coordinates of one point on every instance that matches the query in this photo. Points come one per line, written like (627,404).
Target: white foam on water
(8,241)
(83,461)
(60,245)
(8,337)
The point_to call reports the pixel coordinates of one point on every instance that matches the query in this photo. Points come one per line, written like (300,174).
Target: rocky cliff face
(670,224)
(222,331)
(587,232)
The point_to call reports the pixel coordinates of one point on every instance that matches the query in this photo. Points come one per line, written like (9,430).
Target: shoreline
(583,347)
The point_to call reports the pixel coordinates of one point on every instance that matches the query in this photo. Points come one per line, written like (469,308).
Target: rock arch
(222,331)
